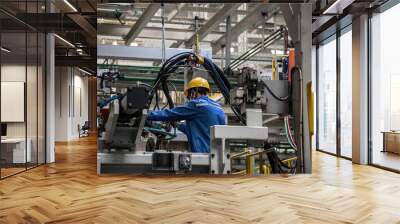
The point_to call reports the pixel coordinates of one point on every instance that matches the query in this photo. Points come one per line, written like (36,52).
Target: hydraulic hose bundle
(186,59)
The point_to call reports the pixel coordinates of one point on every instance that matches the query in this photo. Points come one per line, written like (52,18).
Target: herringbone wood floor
(69,191)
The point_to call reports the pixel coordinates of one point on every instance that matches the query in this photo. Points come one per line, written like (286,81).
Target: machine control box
(171,161)
(135,100)
(281,89)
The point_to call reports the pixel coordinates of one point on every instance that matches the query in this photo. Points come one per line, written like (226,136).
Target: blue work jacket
(200,114)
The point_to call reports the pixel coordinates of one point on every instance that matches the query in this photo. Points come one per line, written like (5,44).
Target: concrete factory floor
(70,191)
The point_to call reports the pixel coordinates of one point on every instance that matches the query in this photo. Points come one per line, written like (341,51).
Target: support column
(360,90)
(92,103)
(305,63)
(50,98)
(50,92)
(298,18)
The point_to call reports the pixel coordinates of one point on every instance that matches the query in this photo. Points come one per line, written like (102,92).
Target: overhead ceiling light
(5,50)
(70,5)
(84,71)
(337,7)
(65,41)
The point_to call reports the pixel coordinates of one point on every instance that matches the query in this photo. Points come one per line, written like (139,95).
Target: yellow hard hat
(197,82)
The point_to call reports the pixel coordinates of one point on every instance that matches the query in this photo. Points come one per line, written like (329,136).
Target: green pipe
(151,80)
(153,69)
(161,131)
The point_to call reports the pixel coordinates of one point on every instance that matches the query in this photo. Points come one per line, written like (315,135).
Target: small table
(13,150)
(391,141)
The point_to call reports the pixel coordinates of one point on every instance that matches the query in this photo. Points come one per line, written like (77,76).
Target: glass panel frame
(383,85)
(345,65)
(14,144)
(326,96)
(340,101)
(24,61)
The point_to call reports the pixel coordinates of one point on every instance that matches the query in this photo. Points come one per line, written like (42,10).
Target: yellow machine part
(273,68)
(310,100)
(262,169)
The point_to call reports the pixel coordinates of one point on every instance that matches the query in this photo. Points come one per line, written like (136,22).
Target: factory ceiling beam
(213,23)
(140,53)
(289,12)
(84,24)
(149,32)
(175,12)
(121,7)
(76,16)
(335,9)
(82,61)
(141,23)
(250,21)
(211,10)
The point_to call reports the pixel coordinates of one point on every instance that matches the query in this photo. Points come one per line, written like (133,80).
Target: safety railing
(251,168)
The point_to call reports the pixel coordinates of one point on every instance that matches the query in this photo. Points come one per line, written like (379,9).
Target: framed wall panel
(12,101)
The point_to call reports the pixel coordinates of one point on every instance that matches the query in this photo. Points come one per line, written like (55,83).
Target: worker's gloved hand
(168,126)
(181,126)
(174,124)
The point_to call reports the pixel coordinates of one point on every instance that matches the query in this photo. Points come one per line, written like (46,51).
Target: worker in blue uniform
(199,114)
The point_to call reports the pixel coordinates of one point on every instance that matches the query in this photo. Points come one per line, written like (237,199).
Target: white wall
(33,126)
(61,103)
(80,111)
(71,102)
(12,73)
(17,73)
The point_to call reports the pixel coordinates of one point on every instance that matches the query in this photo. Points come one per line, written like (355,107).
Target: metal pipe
(255,49)
(196,30)
(240,154)
(273,118)
(163,32)
(228,42)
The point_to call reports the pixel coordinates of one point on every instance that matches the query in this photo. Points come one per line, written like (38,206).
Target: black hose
(281,165)
(176,61)
(168,96)
(166,69)
(222,75)
(285,99)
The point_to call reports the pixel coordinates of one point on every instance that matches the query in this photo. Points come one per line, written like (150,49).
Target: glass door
(326,96)
(385,90)
(22,95)
(14,145)
(346,93)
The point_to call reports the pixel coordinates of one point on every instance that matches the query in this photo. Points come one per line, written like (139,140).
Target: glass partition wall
(326,96)
(346,71)
(22,94)
(385,90)
(334,94)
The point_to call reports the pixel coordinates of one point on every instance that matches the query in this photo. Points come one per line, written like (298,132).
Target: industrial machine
(259,138)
